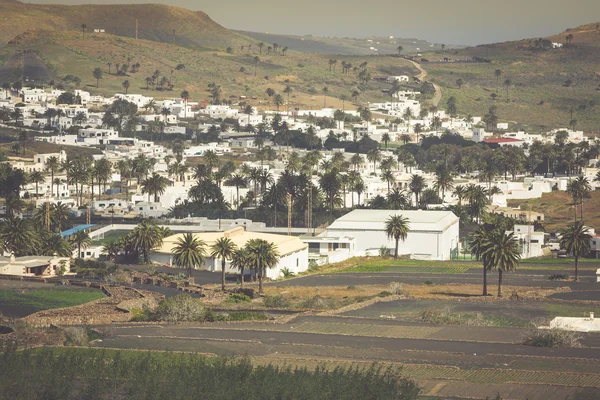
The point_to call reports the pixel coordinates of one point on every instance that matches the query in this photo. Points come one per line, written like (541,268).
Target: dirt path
(438,90)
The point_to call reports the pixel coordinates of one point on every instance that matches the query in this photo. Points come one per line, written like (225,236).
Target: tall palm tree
(374,156)
(263,255)
(37,177)
(223,248)
(331,185)
(82,240)
(145,237)
(502,253)
(397,199)
(479,241)
(444,180)
(416,185)
(397,227)
(388,177)
(240,260)
(189,252)
(155,185)
(460,192)
(575,239)
(53,166)
(112,249)
(239,181)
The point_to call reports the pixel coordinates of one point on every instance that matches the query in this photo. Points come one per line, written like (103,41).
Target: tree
(37,177)
(278,101)
(238,181)
(126,85)
(155,185)
(263,255)
(146,236)
(400,49)
(397,227)
(443,179)
(497,74)
(388,177)
(256,61)
(374,156)
(325,90)
(185,95)
(416,185)
(189,252)
(385,138)
(260,47)
(223,248)
(331,186)
(82,240)
(507,83)
(288,90)
(477,245)
(502,253)
(53,243)
(18,236)
(83,28)
(575,239)
(97,75)
(459,83)
(239,260)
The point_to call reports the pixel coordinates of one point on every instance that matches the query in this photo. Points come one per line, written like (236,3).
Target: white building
(293,253)
(531,241)
(433,235)
(43,266)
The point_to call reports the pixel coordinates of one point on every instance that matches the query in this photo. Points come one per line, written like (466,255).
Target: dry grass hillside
(545,85)
(157,22)
(558,209)
(42,55)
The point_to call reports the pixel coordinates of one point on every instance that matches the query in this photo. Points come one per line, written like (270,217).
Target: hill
(343,46)
(157,22)
(42,56)
(549,87)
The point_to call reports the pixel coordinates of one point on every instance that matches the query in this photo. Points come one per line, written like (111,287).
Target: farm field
(18,299)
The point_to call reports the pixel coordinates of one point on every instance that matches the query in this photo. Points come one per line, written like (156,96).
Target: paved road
(438,90)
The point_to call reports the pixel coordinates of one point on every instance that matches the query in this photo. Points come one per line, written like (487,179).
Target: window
(297,262)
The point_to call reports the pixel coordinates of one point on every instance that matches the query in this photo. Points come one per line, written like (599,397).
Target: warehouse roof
(418,220)
(285,244)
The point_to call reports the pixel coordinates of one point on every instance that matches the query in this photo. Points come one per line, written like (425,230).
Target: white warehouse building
(433,235)
(293,253)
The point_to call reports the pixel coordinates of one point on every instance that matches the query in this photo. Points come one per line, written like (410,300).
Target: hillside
(41,56)
(545,84)
(156,22)
(344,46)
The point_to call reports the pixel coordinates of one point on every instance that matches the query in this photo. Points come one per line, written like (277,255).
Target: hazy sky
(440,21)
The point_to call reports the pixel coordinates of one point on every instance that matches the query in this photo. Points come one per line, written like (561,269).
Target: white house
(293,253)
(43,266)
(433,235)
(531,241)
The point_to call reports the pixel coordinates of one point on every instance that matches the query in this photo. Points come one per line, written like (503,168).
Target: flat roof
(419,220)
(285,244)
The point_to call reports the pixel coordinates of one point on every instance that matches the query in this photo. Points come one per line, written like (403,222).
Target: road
(438,90)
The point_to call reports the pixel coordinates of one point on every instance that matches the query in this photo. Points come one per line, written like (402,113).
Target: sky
(467,22)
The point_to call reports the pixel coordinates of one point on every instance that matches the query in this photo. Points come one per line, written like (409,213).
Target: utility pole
(309,209)
(47,212)
(136,29)
(289,205)
(89,209)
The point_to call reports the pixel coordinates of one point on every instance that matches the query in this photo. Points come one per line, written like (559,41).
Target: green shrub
(385,293)
(397,289)
(76,336)
(446,317)
(554,337)
(428,283)
(558,277)
(317,302)
(247,316)
(287,273)
(351,287)
(181,308)
(239,298)
(276,301)
(313,266)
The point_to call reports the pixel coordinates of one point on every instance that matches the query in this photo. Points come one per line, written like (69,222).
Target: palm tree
(397,199)
(52,165)
(223,248)
(575,239)
(82,240)
(288,90)
(17,236)
(238,181)
(416,185)
(256,61)
(397,227)
(126,85)
(262,255)
(37,177)
(54,243)
(145,237)
(325,90)
(399,48)
(443,180)
(356,160)
(189,252)
(498,74)
(478,246)
(388,177)
(155,185)
(97,75)
(112,249)
(14,205)
(502,253)
(374,156)
(239,260)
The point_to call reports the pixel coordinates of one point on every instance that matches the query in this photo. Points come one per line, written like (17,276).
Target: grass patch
(45,299)
(378,264)
(554,338)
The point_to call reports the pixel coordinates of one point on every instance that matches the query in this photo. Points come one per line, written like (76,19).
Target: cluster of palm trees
(257,256)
